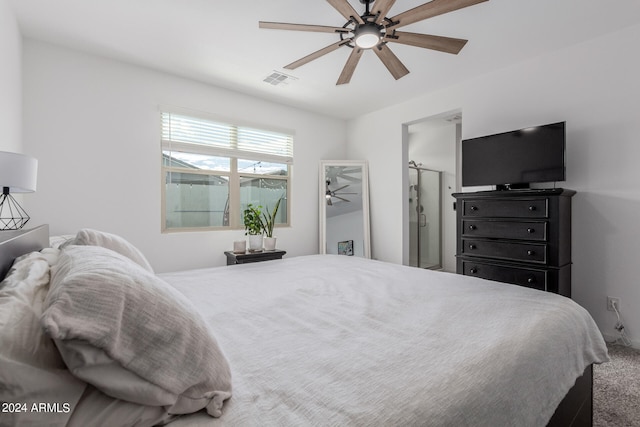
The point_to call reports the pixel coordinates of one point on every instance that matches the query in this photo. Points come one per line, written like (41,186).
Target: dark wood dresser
(521,237)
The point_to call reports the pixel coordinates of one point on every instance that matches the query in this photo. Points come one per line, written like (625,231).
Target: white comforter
(335,340)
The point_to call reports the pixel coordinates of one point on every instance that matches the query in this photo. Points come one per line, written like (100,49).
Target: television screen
(515,159)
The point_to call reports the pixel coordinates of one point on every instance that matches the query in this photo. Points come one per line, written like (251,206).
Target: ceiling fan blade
(346,10)
(393,64)
(431,9)
(347,170)
(338,189)
(350,66)
(350,178)
(381,8)
(341,198)
(301,27)
(315,55)
(427,41)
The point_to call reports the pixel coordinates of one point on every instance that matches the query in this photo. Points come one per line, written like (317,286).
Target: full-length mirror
(344,208)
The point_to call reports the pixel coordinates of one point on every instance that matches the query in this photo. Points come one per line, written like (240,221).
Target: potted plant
(253,226)
(269,220)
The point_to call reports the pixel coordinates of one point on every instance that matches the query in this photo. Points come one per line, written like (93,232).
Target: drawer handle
(530,252)
(473,270)
(532,208)
(531,230)
(474,208)
(531,280)
(472,246)
(472,227)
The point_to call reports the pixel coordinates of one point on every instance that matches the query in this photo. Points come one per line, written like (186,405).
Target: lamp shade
(18,172)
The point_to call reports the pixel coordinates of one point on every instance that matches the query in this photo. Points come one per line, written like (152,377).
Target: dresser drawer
(530,278)
(506,208)
(514,251)
(521,230)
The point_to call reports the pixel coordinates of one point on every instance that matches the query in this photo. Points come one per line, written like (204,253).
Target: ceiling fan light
(367,36)
(367,41)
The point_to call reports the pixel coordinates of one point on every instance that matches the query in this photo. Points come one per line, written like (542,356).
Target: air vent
(456,118)
(277,78)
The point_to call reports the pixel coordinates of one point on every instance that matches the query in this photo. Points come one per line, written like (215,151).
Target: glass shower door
(425,222)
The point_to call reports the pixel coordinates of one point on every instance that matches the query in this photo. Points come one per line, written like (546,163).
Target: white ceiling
(219,42)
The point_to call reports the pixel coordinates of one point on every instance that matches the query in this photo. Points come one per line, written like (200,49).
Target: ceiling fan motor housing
(367,35)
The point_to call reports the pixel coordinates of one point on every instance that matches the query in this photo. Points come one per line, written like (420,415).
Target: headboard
(19,242)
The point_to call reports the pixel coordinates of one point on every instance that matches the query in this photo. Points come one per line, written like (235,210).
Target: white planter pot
(239,246)
(255,242)
(269,243)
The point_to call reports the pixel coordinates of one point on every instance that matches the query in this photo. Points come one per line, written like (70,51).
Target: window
(211,171)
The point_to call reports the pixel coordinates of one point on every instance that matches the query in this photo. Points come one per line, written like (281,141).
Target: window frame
(234,176)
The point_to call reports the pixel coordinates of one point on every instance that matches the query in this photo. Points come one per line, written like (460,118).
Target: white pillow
(61,240)
(89,237)
(31,369)
(96,409)
(133,336)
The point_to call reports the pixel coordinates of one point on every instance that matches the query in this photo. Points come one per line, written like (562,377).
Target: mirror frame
(365,203)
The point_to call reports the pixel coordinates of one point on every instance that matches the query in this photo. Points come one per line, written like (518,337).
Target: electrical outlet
(611,301)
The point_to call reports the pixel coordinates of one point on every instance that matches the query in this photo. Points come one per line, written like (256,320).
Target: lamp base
(12,216)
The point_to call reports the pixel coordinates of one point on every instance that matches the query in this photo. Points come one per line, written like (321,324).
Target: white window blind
(226,138)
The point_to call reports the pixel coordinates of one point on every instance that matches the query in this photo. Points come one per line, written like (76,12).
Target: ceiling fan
(329,194)
(373,30)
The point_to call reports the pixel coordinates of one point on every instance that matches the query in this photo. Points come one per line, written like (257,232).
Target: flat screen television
(515,159)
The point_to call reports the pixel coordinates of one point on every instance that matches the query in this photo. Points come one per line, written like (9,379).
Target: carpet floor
(616,389)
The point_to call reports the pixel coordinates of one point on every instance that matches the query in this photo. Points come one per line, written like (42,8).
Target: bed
(310,340)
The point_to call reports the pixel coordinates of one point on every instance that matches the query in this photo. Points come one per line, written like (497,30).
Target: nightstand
(248,257)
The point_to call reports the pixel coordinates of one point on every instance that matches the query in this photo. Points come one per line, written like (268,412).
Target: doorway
(430,154)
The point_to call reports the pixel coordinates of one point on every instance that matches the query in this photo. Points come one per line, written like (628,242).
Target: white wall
(378,138)
(594,87)
(10,81)
(94,125)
